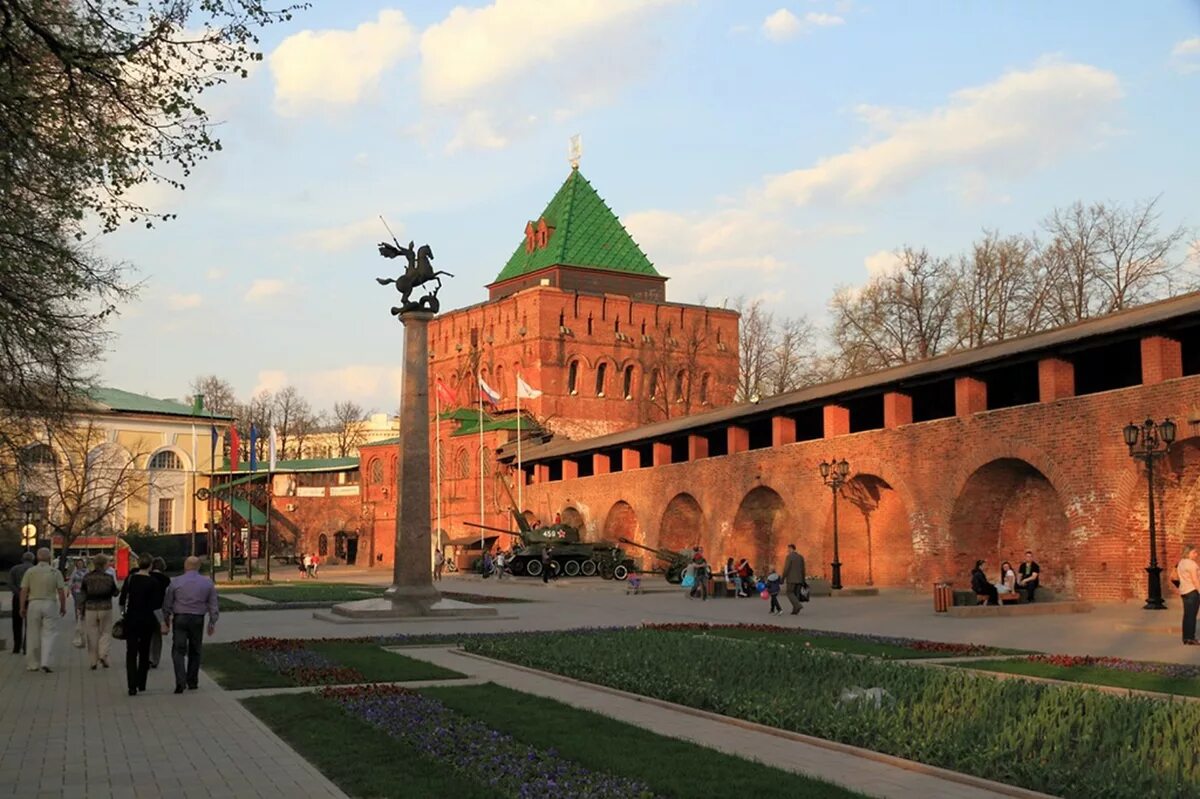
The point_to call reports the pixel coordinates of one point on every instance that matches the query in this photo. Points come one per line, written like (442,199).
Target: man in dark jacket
(14,581)
(793,577)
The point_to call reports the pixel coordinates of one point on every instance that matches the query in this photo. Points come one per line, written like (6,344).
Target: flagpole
(437,456)
(192,537)
(267,543)
(520,474)
(212,466)
(481,521)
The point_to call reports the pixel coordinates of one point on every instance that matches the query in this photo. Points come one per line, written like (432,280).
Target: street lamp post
(834,474)
(27,506)
(1147,442)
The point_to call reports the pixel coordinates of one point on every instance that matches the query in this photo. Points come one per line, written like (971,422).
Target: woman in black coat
(982,586)
(141,600)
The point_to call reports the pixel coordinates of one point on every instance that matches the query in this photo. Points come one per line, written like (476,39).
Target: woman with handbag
(97,590)
(141,600)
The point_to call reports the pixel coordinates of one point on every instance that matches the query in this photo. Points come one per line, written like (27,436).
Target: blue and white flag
(492,395)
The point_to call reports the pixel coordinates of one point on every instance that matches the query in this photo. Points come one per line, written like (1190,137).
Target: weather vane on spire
(575,152)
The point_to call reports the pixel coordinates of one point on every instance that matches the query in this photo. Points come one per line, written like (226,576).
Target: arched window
(704,382)
(322,545)
(680,383)
(375,472)
(462,464)
(654,379)
(573,377)
(39,455)
(165,460)
(601,377)
(627,382)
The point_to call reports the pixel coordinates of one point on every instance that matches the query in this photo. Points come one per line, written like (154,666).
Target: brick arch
(621,521)
(570,515)
(683,525)
(760,527)
(874,533)
(1006,506)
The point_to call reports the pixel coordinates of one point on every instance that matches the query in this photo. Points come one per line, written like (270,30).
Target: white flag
(271,449)
(526,391)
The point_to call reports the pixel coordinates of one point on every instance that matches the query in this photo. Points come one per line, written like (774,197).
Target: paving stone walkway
(77,733)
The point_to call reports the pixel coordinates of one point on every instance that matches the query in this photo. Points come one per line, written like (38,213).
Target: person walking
(699,575)
(99,588)
(308,564)
(141,601)
(40,586)
(499,565)
(774,581)
(439,561)
(75,588)
(316,566)
(546,564)
(1188,572)
(15,574)
(189,597)
(158,570)
(794,577)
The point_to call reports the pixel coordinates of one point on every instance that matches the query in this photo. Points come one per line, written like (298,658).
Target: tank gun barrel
(662,554)
(493,529)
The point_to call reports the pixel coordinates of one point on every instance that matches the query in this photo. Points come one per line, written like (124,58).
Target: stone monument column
(412,573)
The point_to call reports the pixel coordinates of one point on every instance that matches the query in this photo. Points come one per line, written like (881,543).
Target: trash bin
(942,597)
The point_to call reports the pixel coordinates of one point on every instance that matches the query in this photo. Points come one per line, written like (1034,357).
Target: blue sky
(759,149)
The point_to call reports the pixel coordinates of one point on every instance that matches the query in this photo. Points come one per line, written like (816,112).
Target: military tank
(569,554)
(675,562)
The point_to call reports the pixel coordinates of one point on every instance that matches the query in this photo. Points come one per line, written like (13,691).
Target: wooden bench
(1011,598)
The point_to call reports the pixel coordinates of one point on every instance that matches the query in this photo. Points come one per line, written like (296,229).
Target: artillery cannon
(676,561)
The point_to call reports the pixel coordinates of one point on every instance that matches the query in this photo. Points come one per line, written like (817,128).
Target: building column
(738,439)
(570,469)
(1162,359)
(697,447)
(837,420)
(630,459)
(1056,379)
(601,463)
(541,473)
(783,431)
(661,453)
(897,409)
(970,396)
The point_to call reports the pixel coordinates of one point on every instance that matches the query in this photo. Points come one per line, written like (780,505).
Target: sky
(760,150)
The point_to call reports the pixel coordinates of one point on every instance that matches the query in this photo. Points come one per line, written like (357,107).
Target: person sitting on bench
(1006,588)
(982,586)
(1028,575)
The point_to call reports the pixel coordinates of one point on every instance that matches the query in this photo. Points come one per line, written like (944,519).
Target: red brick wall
(1054,476)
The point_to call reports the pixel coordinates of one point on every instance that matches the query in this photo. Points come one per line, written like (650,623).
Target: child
(635,583)
(773,584)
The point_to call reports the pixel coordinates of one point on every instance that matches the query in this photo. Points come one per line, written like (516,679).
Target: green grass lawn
(671,767)
(313,591)
(1094,675)
(236,669)
(850,646)
(360,759)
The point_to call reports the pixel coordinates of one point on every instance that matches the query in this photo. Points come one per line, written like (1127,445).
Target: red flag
(444,394)
(234,446)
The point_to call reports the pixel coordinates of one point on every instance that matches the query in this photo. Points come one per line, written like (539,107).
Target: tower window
(601,376)
(627,383)
(573,378)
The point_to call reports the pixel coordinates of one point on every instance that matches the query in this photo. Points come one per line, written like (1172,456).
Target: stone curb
(866,754)
(1115,690)
(246,693)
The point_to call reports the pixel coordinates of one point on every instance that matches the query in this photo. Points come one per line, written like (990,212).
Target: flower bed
(938,648)
(1178,670)
(277,662)
(507,766)
(1062,740)
(303,666)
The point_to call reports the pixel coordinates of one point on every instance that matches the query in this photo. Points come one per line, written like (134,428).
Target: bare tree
(1135,262)
(346,420)
(291,415)
(755,340)
(91,482)
(219,396)
(305,425)
(793,363)
(1000,293)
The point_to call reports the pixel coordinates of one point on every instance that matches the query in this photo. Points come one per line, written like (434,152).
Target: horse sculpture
(418,272)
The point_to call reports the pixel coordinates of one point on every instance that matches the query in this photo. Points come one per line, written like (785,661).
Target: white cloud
(370,385)
(783,24)
(1185,56)
(271,380)
(329,68)
(1017,123)
(494,72)
(180,302)
(215,274)
(881,263)
(363,233)
(264,289)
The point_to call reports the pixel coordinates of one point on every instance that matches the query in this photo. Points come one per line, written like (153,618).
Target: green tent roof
(114,399)
(251,514)
(586,233)
(304,465)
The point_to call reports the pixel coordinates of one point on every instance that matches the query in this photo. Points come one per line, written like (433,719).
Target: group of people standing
(151,605)
(740,575)
(308,564)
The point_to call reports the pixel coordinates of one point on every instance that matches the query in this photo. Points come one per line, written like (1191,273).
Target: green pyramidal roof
(586,233)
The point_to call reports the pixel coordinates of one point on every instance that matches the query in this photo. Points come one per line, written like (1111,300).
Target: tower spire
(575,151)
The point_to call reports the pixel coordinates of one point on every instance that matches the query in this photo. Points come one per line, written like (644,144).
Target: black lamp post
(27,507)
(1147,442)
(834,474)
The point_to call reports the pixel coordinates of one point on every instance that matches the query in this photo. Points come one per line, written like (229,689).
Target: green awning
(221,488)
(249,513)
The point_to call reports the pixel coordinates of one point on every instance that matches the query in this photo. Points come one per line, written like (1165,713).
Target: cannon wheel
(571,568)
(606,570)
(588,568)
(534,567)
(517,567)
(620,572)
